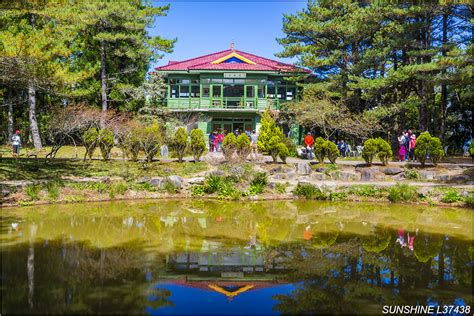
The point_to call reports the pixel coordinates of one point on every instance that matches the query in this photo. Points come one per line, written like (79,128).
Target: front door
(238,125)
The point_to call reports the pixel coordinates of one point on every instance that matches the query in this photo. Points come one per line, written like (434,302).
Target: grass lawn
(40,168)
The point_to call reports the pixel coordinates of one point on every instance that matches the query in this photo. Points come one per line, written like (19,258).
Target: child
(402,152)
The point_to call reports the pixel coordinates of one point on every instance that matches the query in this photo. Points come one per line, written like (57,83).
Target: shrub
(291,146)
(283,152)
(384,151)
(150,140)
(268,130)
(451,196)
(198,143)
(366,191)
(243,146)
(229,146)
(119,188)
(471,150)
(212,183)
(169,187)
(32,191)
(402,193)
(90,142)
(180,142)
(309,191)
(273,147)
(319,149)
(331,151)
(370,150)
(197,190)
(436,150)
(105,139)
(469,200)
(256,189)
(131,143)
(281,187)
(260,178)
(411,174)
(53,190)
(422,146)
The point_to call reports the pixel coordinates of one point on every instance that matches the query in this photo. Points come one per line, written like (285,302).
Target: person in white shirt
(16,142)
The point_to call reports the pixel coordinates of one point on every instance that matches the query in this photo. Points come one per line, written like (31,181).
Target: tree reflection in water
(333,259)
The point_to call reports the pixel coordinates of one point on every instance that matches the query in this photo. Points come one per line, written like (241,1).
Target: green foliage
(106,142)
(90,139)
(411,174)
(118,188)
(403,193)
(52,189)
(131,143)
(224,187)
(469,200)
(198,143)
(337,196)
(260,178)
(309,191)
(436,150)
(319,149)
(243,146)
(331,151)
(255,189)
(197,190)
(229,146)
(212,184)
(283,152)
(32,191)
(169,187)
(471,150)
(291,146)
(180,142)
(384,150)
(366,191)
(281,187)
(422,146)
(451,196)
(370,150)
(150,140)
(270,135)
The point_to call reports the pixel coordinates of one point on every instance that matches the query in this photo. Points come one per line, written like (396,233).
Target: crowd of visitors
(217,137)
(407,142)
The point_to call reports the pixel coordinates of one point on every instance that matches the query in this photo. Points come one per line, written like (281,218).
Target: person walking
(411,154)
(343,149)
(211,142)
(253,142)
(309,141)
(16,143)
(220,139)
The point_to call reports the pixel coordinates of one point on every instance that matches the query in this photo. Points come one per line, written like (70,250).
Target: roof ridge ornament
(234,55)
(232,45)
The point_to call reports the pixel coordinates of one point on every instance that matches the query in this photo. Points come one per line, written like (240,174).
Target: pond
(280,257)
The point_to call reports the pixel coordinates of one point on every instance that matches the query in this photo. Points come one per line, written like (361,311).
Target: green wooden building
(229,89)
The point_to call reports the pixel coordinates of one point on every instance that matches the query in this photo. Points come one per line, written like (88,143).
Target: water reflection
(279,257)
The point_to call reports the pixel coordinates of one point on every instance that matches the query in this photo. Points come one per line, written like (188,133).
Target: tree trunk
(444,89)
(33,122)
(9,100)
(103,75)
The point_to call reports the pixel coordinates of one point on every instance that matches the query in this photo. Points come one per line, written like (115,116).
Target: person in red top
(309,141)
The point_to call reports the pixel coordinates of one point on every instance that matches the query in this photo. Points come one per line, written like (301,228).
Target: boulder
(321,169)
(427,174)
(303,168)
(214,159)
(143,179)
(156,181)
(369,174)
(196,180)
(318,176)
(349,176)
(392,171)
(218,173)
(177,181)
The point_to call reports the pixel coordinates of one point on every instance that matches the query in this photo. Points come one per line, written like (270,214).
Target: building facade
(229,89)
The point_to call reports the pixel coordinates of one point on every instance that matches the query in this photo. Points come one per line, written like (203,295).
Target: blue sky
(204,27)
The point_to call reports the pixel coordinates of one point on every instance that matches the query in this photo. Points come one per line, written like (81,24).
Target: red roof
(206,63)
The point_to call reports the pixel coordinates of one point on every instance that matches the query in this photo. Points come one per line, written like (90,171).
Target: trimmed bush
(471,150)
(90,138)
(451,196)
(131,144)
(283,152)
(436,150)
(268,130)
(260,178)
(229,146)
(422,146)
(105,139)
(331,151)
(370,150)
(291,146)
(319,149)
(150,140)
(384,151)
(180,142)
(309,191)
(273,147)
(198,144)
(243,146)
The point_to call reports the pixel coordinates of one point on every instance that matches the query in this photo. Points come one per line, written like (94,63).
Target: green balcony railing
(225,103)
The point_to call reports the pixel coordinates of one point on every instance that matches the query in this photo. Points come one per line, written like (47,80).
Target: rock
(346,176)
(443,177)
(105,180)
(290,175)
(6,191)
(177,181)
(303,168)
(156,182)
(214,159)
(328,187)
(398,177)
(143,179)
(427,174)
(321,169)
(284,176)
(459,178)
(424,191)
(218,173)
(318,176)
(470,183)
(236,170)
(392,171)
(369,174)
(196,180)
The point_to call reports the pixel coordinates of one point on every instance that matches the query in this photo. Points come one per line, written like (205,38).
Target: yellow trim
(219,289)
(233,54)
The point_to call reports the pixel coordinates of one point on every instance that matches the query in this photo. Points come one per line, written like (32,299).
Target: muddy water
(166,257)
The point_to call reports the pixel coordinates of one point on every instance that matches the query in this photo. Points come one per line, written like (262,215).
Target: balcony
(225,104)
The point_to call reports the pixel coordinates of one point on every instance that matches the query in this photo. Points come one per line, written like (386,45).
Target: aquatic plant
(402,193)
